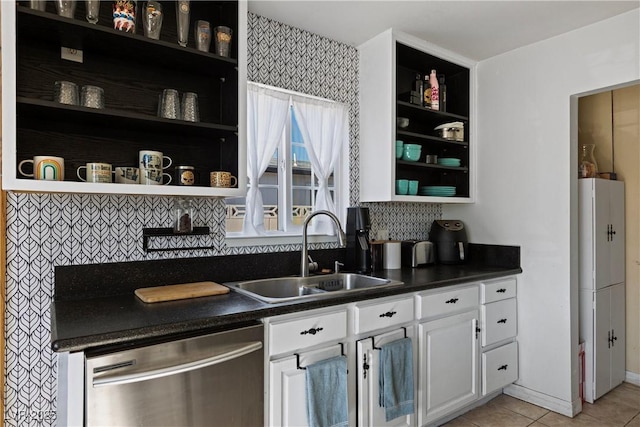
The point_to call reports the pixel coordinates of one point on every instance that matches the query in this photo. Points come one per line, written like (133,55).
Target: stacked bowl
(399,148)
(411,152)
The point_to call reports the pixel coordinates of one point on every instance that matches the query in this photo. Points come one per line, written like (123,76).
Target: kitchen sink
(282,289)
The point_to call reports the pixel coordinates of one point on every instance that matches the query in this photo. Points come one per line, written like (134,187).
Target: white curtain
(325,130)
(267,112)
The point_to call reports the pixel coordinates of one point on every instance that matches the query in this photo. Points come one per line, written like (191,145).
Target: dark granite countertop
(79,324)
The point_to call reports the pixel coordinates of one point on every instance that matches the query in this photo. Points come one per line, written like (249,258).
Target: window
(290,184)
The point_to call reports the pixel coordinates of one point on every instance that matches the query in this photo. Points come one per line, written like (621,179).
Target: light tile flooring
(619,407)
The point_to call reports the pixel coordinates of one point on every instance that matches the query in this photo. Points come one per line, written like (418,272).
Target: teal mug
(402,186)
(413,188)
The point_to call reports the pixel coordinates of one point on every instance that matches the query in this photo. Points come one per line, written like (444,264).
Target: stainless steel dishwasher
(210,380)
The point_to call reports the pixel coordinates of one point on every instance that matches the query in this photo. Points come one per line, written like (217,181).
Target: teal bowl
(399,151)
(410,155)
(413,146)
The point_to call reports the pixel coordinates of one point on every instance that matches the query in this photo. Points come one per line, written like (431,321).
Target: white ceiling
(474,29)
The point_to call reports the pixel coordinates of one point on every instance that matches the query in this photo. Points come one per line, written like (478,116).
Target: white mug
(126,175)
(153,177)
(149,159)
(48,168)
(96,172)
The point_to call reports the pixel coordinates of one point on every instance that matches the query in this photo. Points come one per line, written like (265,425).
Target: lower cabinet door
(499,367)
(370,413)
(287,387)
(448,365)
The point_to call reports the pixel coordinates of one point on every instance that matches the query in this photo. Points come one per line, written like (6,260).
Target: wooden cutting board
(181,291)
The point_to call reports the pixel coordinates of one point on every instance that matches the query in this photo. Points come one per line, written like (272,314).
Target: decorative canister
(587,166)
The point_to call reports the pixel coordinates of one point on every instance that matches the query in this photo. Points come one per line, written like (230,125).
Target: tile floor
(619,407)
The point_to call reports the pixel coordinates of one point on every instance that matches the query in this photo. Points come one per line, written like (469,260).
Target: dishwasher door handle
(180,368)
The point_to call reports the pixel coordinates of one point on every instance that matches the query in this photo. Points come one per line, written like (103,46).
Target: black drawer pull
(311,331)
(502,321)
(502,368)
(388,314)
(451,301)
(501,291)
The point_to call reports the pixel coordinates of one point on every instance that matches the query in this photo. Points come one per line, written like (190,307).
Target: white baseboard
(569,409)
(633,378)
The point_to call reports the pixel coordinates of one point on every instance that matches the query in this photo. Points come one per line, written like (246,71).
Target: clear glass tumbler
(203,36)
(152,19)
(93,10)
(190,111)
(183,8)
(66,8)
(222,40)
(169,107)
(66,92)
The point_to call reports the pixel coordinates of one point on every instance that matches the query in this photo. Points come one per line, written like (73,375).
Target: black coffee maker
(358,247)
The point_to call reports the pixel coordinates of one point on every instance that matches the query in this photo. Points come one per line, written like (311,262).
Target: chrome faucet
(304,266)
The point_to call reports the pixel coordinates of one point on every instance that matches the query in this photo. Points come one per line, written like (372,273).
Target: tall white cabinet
(602,277)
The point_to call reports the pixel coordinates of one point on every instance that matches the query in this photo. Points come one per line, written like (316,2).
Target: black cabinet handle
(502,321)
(451,301)
(388,314)
(501,291)
(503,368)
(311,331)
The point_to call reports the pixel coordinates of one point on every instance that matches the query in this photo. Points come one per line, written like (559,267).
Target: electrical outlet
(70,54)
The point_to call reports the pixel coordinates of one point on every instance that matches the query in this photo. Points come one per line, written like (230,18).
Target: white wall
(527,185)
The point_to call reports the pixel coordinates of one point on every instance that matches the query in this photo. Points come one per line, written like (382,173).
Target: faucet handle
(313,266)
(337,266)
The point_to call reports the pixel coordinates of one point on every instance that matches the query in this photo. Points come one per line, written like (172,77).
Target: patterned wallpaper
(46,230)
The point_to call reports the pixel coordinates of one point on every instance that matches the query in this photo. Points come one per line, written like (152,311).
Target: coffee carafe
(358,246)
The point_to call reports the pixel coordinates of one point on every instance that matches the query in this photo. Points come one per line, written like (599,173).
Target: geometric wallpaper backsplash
(48,230)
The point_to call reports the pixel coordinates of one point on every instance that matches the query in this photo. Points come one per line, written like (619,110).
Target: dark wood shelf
(430,139)
(72,113)
(441,115)
(432,166)
(49,28)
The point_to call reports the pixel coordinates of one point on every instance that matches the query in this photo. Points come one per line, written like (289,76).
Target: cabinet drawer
(444,303)
(499,321)
(499,367)
(498,290)
(383,314)
(307,332)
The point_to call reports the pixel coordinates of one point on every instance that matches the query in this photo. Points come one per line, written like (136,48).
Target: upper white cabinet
(601,219)
(389,64)
(133,70)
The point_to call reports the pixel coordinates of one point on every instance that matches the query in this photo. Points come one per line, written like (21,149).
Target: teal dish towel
(327,404)
(396,378)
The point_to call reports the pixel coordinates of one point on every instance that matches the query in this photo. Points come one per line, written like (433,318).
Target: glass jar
(183,216)
(587,166)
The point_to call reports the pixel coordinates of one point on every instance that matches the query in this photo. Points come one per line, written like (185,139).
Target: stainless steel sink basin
(283,289)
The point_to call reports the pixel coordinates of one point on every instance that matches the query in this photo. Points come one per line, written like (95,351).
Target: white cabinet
(287,386)
(499,326)
(293,342)
(448,365)
(389,63)
(602,232)
(602,328)
(602,277)
(370,413)
(448,351)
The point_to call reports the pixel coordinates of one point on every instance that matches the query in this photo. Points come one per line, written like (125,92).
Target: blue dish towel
(396,378)
(327,404)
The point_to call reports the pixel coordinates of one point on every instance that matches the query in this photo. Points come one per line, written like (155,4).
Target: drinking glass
(66,8)
(190,111)
(203,36)
(92,97)
(66,92)
(169,107)
(124,16)
(222,40)
(93,10)
(182,15)
(152,19)
(38,5)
